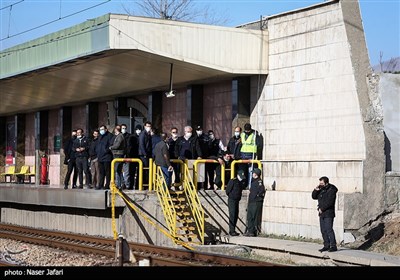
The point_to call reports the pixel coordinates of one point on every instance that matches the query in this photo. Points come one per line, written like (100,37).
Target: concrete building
(301,78)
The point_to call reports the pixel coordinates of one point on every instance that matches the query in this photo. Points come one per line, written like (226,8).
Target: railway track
(157,255)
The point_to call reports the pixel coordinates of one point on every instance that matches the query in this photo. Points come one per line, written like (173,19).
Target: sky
(24,20)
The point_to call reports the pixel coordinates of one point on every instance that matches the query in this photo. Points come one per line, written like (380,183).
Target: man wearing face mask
(145,149)
(234,191)
(81,147)
(104,156)
(235,144)
(250,146)
(171,148)
(138,129)
(187,146)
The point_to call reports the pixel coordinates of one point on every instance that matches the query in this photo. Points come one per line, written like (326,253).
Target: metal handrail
(195,170)
(256,161)
(197,209)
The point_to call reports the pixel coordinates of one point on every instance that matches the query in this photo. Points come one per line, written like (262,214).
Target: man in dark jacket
(326,195)
(234,191)
(81,147)
(70,161)
(254,206)
(104,156)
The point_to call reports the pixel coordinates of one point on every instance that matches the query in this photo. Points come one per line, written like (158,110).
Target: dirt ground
(389,243)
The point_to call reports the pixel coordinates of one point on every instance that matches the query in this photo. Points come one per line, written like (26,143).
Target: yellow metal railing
(194,202)
(196,170)
(115,191)
(233,164)
(166,201)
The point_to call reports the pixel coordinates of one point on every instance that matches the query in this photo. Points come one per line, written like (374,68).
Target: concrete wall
(389,91)
(315,111)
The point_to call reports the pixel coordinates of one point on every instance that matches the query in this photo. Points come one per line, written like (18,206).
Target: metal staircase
(182,210)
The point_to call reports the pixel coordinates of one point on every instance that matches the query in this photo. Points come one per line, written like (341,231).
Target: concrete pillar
(3,129)
(92,118)
(20,138)
(194,105)
(154,113)
(240,101)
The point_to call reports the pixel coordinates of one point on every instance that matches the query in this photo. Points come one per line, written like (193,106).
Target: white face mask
(123,130)
(238,177)
(79,136)
(138,131)
(237,134)
(199,132)
(174,135)
(147,128)
(188,135)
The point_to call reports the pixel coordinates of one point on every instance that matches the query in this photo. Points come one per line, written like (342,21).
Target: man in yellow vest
(250,144)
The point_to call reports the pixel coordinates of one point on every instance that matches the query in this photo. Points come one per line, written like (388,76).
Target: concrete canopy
(119,55)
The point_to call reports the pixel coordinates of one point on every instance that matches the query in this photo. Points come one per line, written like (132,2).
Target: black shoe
(332,249)
(65,187)
(234,234)
(249,234)
(80,187)
(74,187)
(323,249)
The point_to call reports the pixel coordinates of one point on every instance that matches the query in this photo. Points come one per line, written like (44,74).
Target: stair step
(188,235)
(181,199)
(186,228)
(180,206)
(183,213)
(185,221)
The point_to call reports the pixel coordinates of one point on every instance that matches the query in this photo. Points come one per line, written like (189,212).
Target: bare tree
(183,10)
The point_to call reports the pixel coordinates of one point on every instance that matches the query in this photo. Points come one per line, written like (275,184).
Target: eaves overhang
(116,55)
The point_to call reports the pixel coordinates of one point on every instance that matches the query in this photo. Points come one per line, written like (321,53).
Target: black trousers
(105,173)
(82,165)
(71,168)
(233,207)
(254,211)
(328,235)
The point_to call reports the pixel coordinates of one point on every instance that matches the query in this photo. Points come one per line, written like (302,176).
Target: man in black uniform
(254,206)
(326,195)
(234,191)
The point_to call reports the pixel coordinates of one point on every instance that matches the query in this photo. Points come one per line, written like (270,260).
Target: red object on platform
(43,170)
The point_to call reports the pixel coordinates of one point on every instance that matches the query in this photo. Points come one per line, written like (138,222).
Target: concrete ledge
(53,196)
(344,255)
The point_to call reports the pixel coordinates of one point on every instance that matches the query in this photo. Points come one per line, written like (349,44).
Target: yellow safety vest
(249,145)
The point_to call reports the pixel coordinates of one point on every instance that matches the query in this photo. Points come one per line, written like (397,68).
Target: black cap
(257,171)
(247,127)
(241,174)
(199,127)
(138,127)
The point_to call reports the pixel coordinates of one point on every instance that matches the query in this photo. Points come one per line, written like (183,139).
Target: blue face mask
(102,131)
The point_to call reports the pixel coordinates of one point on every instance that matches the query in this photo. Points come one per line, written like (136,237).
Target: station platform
(53,195)
(343,256)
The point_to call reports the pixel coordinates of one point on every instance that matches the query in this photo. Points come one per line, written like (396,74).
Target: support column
(155,109)
(194,105)
(3,130)
(240,101)
(92,118)
(20,137)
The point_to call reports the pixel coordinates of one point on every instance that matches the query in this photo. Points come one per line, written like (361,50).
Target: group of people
(92,157)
